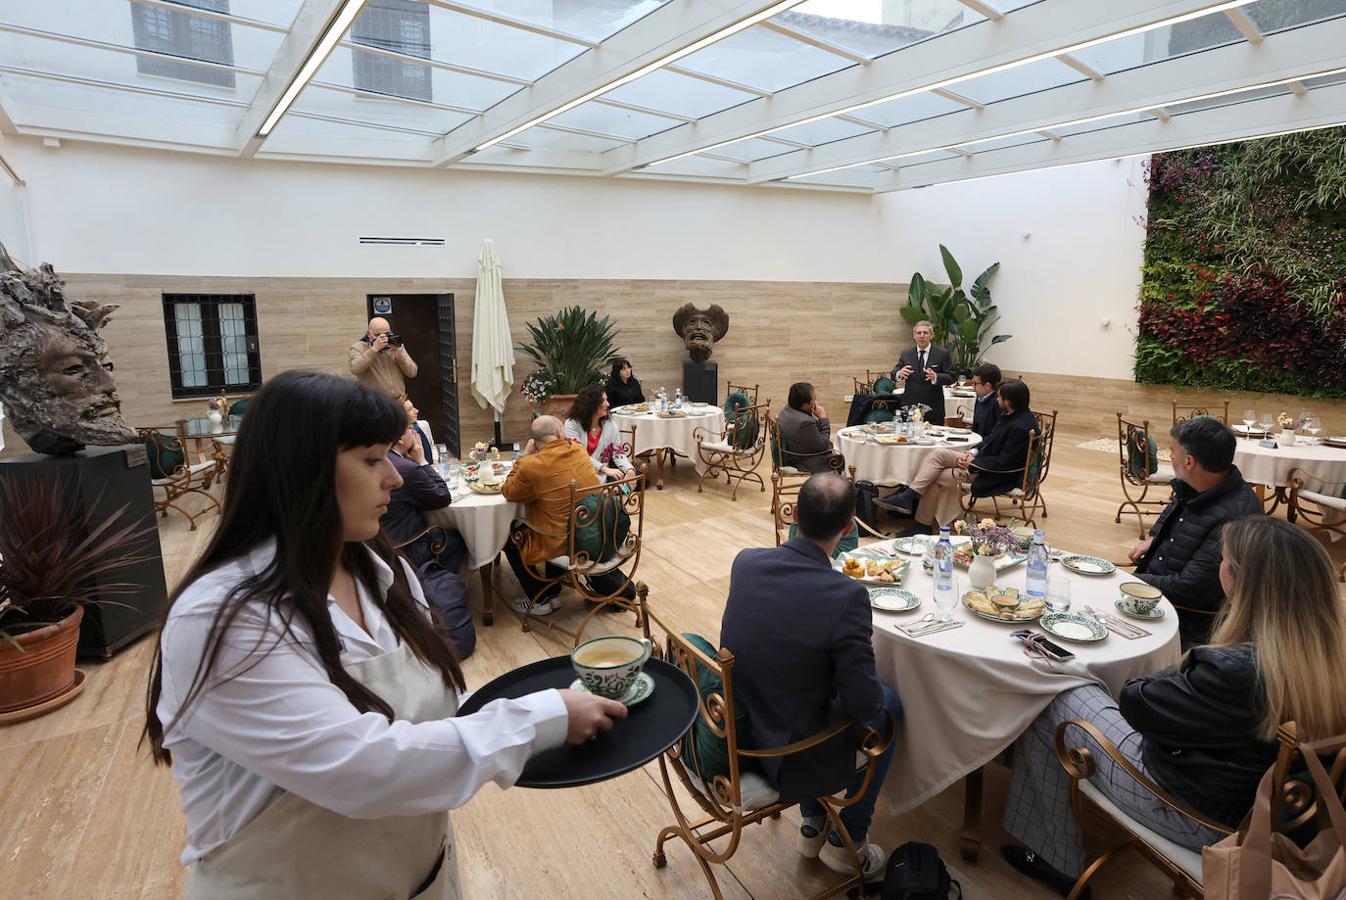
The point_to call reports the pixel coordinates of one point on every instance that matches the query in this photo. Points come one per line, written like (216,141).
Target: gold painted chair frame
(182,481)
(737,466)
(721,800)
(1135,435)
(784,495)
(630,497)
(867,386)
(1183,412)
(779,463)
(1316,516)
(1029,501)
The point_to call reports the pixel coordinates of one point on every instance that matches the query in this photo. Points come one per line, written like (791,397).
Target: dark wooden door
(426,324)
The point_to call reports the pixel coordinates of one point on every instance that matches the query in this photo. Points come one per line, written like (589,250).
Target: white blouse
(611,436)
(281,725)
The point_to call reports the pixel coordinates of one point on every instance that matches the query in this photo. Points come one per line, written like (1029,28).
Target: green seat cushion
(239,407)
(880,414)
(1036,462)
(1141,463)
(849,541)
(605,531)
(165,455)
(712,751)
(884,385)
(745,424)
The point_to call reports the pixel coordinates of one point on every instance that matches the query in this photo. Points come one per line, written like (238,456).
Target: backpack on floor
(915,872)
(865,494)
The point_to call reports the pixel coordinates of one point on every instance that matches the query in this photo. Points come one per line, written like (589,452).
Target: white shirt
(281,725)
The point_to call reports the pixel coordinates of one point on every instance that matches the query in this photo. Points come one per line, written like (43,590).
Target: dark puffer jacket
(1199,723)
(1184,560)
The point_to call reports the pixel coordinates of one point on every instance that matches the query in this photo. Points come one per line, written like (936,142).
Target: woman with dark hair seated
(623,388)
(588,425)
(1204,731)
(303,691)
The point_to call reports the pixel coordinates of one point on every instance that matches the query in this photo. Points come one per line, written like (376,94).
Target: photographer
(379,361)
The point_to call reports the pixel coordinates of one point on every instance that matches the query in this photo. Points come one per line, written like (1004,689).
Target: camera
(394,340)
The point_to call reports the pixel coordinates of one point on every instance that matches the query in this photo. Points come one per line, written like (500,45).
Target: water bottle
(663,400)
(943,573)
(1036,588)
(677,399)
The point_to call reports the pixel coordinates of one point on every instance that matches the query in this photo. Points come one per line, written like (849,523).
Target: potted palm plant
(572,348)
(51,550)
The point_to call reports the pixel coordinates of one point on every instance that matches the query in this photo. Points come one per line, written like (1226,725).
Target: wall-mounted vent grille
(404,241)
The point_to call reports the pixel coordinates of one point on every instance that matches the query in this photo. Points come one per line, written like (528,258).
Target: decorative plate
(958,431)
(640,689)
(981,605)
(896,567)
(1127,609)
(478,488)
(890,599)
(1335,440)
(673,414)
(1244,429)
(1006,560)
(1087,565)
(1073,627)
(912,546)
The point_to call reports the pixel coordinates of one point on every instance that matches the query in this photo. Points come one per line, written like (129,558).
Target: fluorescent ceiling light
(981,73)
(1081,121)
(647,69)
(335,29)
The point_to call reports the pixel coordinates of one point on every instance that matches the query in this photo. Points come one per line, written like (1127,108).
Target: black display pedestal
(701,381)
(101,480)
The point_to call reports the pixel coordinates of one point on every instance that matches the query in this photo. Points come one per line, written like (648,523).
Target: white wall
(13,233)
(118,210)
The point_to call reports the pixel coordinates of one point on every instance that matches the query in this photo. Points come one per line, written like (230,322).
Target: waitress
(304,693)
(623,388)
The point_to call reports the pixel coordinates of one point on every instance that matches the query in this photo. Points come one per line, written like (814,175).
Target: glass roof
(412,82)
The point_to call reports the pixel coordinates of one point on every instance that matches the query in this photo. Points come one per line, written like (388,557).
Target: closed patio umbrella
(492,349)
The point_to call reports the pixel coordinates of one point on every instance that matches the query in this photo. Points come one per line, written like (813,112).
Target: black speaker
(701,381)
(99,481)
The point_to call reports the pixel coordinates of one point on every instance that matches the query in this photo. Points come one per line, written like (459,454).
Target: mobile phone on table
(1056,651)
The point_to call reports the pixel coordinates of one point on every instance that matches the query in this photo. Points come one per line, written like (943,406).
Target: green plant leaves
(951,266)
(574,345)
(961,323)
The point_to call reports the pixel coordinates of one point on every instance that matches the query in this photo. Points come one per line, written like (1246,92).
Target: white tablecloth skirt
(482,519)
(654,433)
(896,463)
(970,692)
(1263,465)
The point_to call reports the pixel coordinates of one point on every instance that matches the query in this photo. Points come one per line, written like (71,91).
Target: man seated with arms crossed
(423,489)
(1181,556)
(541,478)
(995,467)
(806,432)
(986,413)
(802,638)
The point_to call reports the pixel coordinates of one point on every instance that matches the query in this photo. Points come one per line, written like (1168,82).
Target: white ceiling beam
(667,30)
(308,26)
(7,125)
(984,8)
(9,170)
(1292,54)
(1080,66)
(121,86)
(814,41)
(582,132)
(958,98)
(1039,31)
(1279,114)
(1239,19)
(722,82)
(391,98)
(109,47)
(1048,133)
(212,14)
(521,24)
(1298,89)
(357,47)
(863,123)
(1161,114)
(644,110)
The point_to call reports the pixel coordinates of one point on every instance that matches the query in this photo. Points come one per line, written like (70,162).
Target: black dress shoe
(903,503)
(1027,863)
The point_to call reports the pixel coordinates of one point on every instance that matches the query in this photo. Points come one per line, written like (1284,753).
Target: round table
(484,521)
(655,433)
(201,430)
(897,463)
(970,692)
(1272,465)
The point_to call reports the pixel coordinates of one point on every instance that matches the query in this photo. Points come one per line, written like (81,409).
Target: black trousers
(607,583)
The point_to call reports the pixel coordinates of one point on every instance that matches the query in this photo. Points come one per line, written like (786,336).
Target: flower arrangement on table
(1286,421)
(988,538)
(538,386)
(218,405)
(482,451)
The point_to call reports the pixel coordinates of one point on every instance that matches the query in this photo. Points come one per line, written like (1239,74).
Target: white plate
(1073,627)
(891,599)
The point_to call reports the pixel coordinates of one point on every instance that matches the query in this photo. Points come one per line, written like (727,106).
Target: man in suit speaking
(927,369)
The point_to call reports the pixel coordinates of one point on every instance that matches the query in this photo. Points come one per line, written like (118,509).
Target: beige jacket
(381,369)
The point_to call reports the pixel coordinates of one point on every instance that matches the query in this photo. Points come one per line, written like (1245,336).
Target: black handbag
(865,494)
(915,872)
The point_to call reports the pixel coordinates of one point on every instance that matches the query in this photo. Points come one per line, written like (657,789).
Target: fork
(1114,623)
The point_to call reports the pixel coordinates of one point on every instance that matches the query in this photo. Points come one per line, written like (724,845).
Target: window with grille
(181,33)
(400,26)
(212,344)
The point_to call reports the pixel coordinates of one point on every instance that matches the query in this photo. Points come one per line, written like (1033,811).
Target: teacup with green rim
(608,666)
(1141,597)
(1025,537)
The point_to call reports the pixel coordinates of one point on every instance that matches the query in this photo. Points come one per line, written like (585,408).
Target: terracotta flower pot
(555,405)
(42,666)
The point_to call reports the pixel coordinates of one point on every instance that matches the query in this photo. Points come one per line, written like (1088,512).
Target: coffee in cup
(1141,597)
(1025,538)
(608,666)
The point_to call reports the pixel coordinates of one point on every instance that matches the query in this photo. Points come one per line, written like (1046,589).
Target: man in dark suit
(423,489)
(805,432)
(927,369)
(986,413)
(802,638)
(995,467)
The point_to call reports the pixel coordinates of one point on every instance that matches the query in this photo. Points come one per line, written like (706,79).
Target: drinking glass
(1058,593)
(1249,417)
(1265,420)
(442,453)
(962,380)
(1313,425)
(947,599)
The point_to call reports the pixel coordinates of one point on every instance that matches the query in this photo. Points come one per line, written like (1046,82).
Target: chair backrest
(606,522)
(1134,448)
(424,428)
(165,451)
(749,391)
(627,447)
(1181,413)
(1295,803)
(744,430)
(865,386)
(1039,459)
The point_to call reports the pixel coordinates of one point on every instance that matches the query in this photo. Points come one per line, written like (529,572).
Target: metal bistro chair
(867,386)
(1321,504)
(736,451)
(171,473)
(1181,413)
(739,797)
(745,390)
(1026,500)
(593,529)
(784,461)
(784,496)
(1140,470)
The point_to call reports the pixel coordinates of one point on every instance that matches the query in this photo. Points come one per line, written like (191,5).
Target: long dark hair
(618,364)
(586,405)
(281,488)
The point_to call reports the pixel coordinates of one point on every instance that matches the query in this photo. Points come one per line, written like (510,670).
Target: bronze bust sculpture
(55,377)
(700,329)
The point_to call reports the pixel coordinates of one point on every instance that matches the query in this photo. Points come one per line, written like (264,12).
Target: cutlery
(941,621)
(937,628)
(922,622)
(1112,623)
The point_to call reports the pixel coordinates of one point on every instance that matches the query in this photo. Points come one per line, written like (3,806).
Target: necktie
(920,356)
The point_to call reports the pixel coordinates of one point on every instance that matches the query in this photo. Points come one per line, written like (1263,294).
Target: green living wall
(1244,279)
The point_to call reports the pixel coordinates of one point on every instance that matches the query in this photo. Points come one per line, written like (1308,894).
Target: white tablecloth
(482,519)
(951,401)
(1263,465)
(889,462)
(970,692)
(655,433)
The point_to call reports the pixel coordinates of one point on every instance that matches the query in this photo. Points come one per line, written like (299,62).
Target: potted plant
(50,552)
(571,349)
(962,324)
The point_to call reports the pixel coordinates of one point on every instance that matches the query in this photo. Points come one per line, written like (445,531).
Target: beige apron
(297,849)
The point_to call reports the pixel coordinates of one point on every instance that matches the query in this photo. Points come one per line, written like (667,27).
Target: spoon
(921,622)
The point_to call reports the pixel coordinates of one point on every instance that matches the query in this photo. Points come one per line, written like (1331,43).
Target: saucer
(640,689)
(1127,609)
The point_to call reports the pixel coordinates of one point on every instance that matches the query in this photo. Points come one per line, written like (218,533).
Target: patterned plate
(978,603)
(1127,609)
(889,599)
(1006,560)
(1073,627)
(1087,565)
(1335,440)
(899,568)
(912,546)
(478,488)
(640,689)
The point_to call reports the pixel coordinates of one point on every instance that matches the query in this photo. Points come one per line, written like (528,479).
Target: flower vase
(216,419)
(1287,438)
(982,572)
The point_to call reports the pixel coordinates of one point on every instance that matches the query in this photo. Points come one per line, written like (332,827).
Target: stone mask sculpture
(56,381)
(700,329)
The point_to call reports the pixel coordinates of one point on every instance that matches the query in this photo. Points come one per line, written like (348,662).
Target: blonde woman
(1204,731)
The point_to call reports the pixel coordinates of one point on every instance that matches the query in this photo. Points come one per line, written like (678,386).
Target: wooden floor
(84,815)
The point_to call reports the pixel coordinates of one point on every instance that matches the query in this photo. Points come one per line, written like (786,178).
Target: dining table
(484,520)
(1270,466)
(969,692)
(663,436)
(202,431)
(896,463)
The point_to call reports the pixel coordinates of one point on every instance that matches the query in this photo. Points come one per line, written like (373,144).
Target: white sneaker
(544,607)
(872,858)
(811,839)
